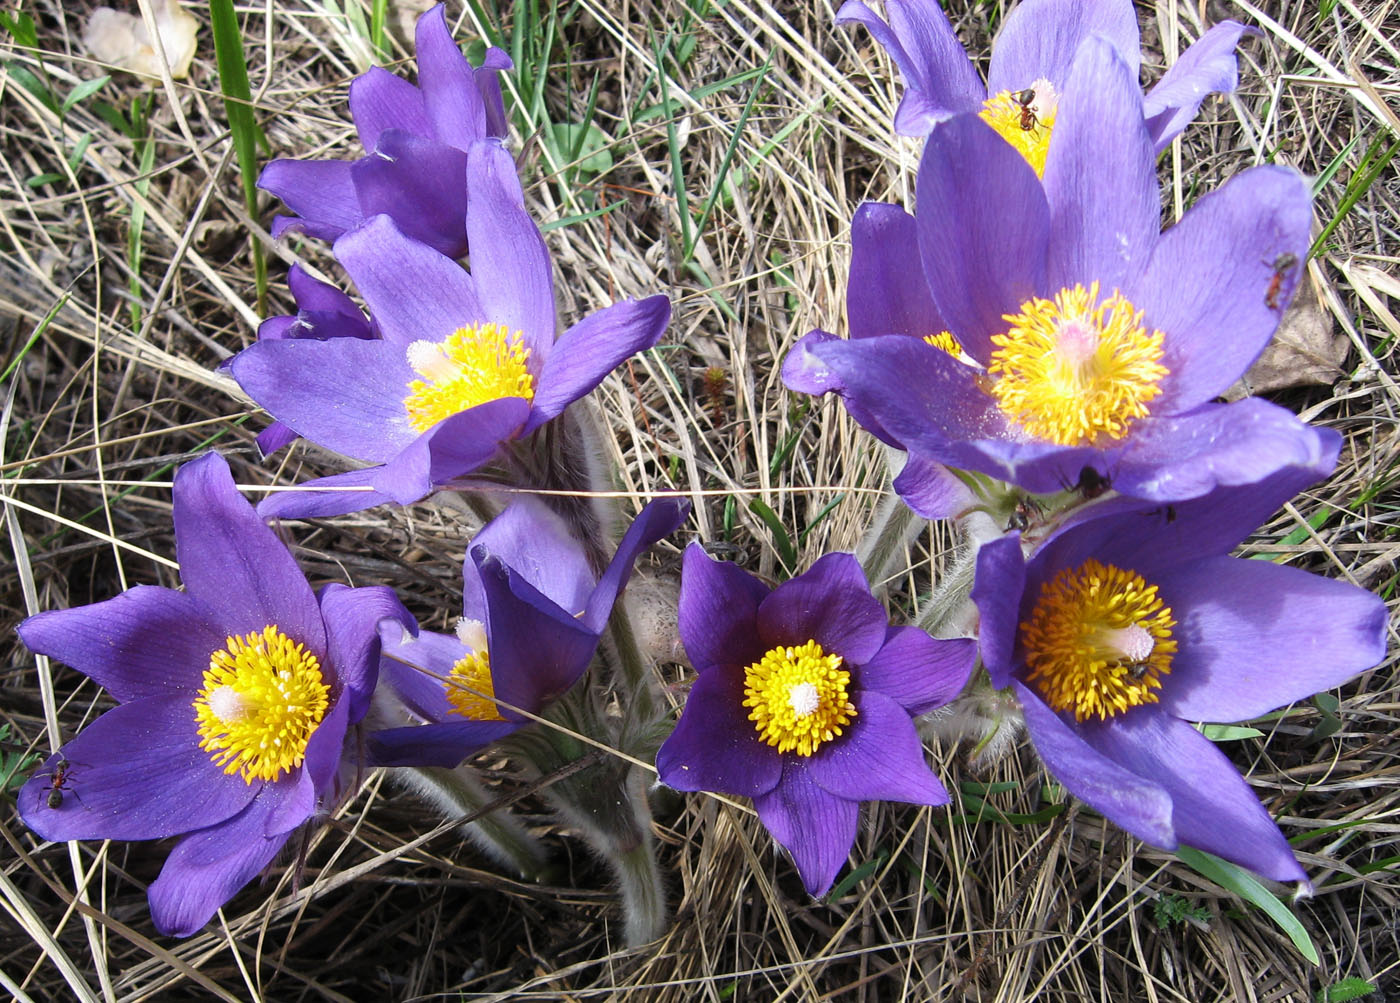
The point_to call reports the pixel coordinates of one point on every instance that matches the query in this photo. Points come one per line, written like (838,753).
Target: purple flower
(1034,52)
(462,363)
(803,702)
(1126,627)
(418,139)
(532,614)
(1054,327)
(207,680)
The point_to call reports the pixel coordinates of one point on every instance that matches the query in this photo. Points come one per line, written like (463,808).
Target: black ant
(1283,264)
(1022,516)
(1091,483)
(1024,99)
(58,778)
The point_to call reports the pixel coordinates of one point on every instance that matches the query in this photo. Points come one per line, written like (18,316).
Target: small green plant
(1173,910)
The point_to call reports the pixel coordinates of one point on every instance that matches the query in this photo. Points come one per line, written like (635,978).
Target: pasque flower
(803,702)
(233,701)
(462,362)
(417,140)
(1055,328)
(1124,628)
(532,614)
(1030,66)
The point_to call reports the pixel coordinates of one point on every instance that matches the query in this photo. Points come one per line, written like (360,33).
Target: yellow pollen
(1025,119)
(1099,641)
(944,341)
(472,366)
(798,697)
(473,673)
(1075,371)
(262,699)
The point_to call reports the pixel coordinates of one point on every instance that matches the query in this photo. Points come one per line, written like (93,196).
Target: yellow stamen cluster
(473,672)
(944,341)
(1025,119)
(798,697)
(1075,371)
(472,366)
(263,698)
(1099,641)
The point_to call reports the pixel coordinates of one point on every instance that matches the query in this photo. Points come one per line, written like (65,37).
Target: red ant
(1024,99)
(58,777)
(1283,264)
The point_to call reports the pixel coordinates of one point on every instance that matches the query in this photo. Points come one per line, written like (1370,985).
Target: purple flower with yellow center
(804,702)
(234,697)
(1031,64)
(1054,328)
(532,614)
(1123,629)
(417,138)
(462,361)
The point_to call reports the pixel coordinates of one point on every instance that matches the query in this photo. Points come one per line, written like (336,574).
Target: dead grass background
(392,906)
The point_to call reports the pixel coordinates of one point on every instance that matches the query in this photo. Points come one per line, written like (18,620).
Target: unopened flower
(462,362)
(804,702)
(1123,629)
(417,140)
(1081,336)
(233,701)
(532,614)
(1030,66)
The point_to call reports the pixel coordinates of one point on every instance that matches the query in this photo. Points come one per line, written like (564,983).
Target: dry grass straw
(390,905)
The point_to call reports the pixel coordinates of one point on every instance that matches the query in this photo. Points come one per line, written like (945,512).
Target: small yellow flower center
(798,697)
(1099,641)
(1025,119)
(473,673)
(1075,371)
(262,700)
(472,366)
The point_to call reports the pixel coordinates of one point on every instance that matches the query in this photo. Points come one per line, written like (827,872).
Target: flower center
(472,366)
(1076,371)
(262,700)
(1025,119)
(798,697)
(473,672)
(1098,641)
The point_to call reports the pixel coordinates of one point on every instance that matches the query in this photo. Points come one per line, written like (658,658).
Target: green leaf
(1234,878)
(1347,989)
(782,542)
(21,27)
(33,85)
(1227,732)
(857,874)
(588,144)
(84,90)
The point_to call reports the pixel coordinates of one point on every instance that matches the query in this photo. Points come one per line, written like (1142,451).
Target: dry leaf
(1304,351)
(121,40)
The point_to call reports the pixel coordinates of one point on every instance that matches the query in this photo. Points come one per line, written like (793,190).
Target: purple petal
(443,745)
(230,559)
(714,746)
(510,262)
(917,671)
(997,590)
(535,542)
(1209,281)
(1100,175)
(1255,636)
(413,666)
(718,615)
(879,758)
(982,233)
(1206,67)
(273,438)
(489,84)
(319,769)
(450,93)
(884,294)
(829,603)
(817,828)
(146,642)
(353,617)
(321,299)
(805,370)
(207,868)
(137,772)
(311,502)
(380,100)
(346,394)
(413,292)
(1212,808)
(319,191)
(932,490)
(1040,38)
(455,446)
(421,184)
(594,347)
(1123,796)
(659,518)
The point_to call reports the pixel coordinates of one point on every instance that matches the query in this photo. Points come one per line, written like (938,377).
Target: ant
(1022,516)
(1091,483)
(1137,669)
(58,778)
(1024,99)
(1282,265)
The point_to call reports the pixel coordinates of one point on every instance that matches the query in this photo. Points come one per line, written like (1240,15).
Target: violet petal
(317,498)
(319,191)
(353,618)
(714,746)
(1208,66)
(816,827)
(917,671)
(1039,38)
(421,184)
(878,758)
(660,518)
(455,446)
(450,94)
(829,603)
(996,591)
(381,100)
(444,745)
(718,615)
(884,295)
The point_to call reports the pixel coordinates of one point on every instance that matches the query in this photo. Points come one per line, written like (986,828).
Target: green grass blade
(724,163)
(1236,879)
(39,330)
